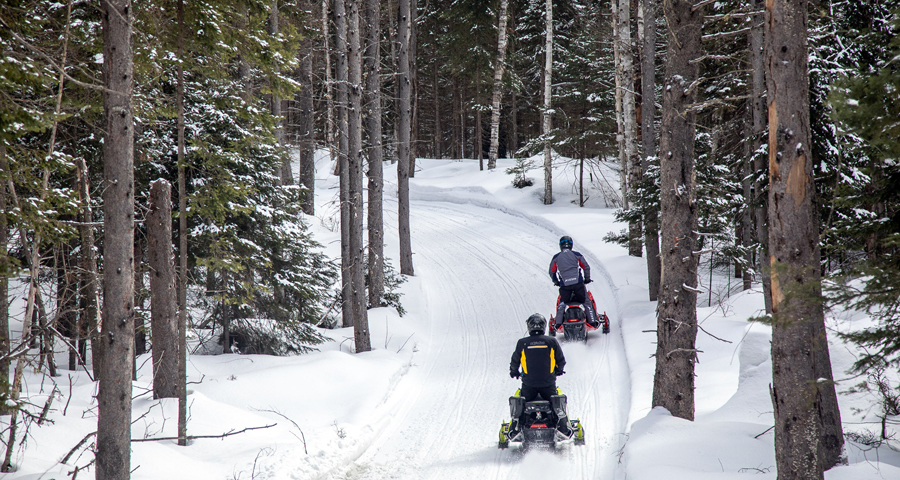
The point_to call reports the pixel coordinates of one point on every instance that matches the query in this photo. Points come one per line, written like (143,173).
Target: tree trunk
(89,267)
(676,330)
(182,243)
(498,86)
(456,137)
(648,137)
(343,169)
(545,124)
(287,176)
(355,174)
(478,138)
(620,120)
(808,436)
(438,131)
(625,66)
(307,126)
(117,336)
(376,153)
(413,88)
(746,226)
(67,299)
(758,83)
(163,322)
(403,19)
(4,287)
(329,95)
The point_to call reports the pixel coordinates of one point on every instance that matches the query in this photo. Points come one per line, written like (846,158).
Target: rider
(565,271)
(541,360)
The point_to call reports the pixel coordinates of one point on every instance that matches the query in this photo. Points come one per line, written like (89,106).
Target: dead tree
(163,322)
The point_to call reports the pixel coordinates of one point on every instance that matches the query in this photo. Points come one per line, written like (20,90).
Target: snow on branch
(701,5)
(714,36)
(692,289)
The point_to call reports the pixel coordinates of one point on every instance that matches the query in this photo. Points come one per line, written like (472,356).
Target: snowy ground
(428,400)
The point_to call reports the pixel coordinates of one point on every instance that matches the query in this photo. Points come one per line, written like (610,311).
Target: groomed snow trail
(484,273)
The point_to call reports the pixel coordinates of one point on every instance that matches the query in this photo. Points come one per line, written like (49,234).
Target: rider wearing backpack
(566,269)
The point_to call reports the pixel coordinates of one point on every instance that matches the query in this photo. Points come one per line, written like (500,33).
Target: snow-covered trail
(485,272)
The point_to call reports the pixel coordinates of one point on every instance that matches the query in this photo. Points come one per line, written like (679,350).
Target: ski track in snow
(486,271)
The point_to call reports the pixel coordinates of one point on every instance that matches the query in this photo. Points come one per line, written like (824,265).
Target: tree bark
(413,87)
(478,138)
(625,66)
(808,436)
(355,174)
(376,153)
(498,86)
(403,18)
(163,321)
(438,131)
(676,354)
(648,137)
(343,169)
(287,176)
(307,127)
(182,242)
(90,275)
(5,268)
(758,102)
(117,335)
(329,90)
(545,124)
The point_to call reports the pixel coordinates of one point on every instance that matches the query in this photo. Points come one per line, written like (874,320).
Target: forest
(147,154)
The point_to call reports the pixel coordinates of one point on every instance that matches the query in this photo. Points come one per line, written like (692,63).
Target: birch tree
(117,336)
(676,328)
(498,86)
(808,436)
(545,123)
(625,74)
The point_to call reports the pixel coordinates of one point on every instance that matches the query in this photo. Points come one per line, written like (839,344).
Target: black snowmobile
(574,326)
(539,423)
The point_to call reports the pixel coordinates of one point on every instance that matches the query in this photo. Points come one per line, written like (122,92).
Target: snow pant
(575,293)
(531,393)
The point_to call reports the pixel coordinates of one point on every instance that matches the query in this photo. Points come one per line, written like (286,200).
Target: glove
(556,283)
(587,281)
(513,374)
(559,372)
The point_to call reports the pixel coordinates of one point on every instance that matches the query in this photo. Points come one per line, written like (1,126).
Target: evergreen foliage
(867,105)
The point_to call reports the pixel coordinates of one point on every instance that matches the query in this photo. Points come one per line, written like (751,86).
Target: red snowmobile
(574,326)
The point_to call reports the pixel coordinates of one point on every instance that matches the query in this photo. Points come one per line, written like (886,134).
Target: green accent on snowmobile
(579,432)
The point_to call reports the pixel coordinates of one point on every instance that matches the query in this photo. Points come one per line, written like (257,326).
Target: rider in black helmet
(540,358)
(566,269)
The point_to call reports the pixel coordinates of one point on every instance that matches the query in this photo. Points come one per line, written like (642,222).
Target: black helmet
(536,323)
(565,243)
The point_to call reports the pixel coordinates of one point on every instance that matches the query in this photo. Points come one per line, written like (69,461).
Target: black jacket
(541,359)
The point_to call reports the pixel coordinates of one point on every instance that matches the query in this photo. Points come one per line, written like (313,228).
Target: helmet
(565,243)
(536,322)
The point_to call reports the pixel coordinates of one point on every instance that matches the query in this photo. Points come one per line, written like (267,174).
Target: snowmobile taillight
(539,425)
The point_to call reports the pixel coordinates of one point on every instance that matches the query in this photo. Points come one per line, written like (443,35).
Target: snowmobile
(537,424)
(574,325)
